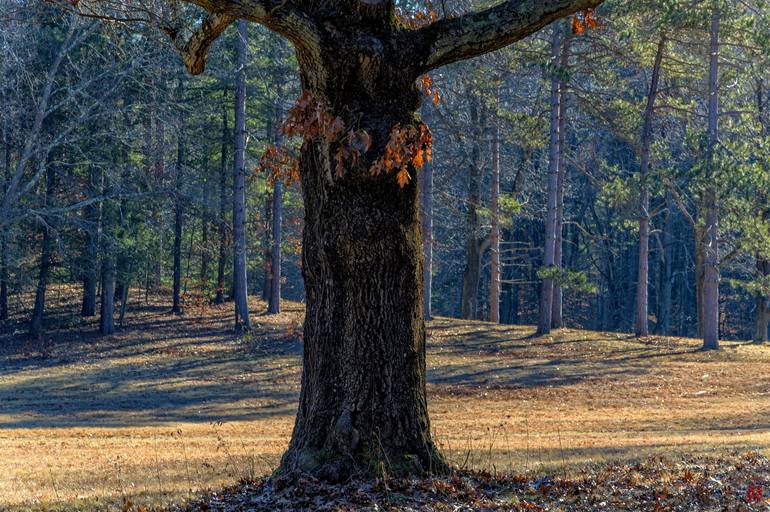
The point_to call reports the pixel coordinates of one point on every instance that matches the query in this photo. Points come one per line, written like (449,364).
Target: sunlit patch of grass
(170,406)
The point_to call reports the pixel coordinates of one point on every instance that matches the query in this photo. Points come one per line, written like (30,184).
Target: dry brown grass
(171,405)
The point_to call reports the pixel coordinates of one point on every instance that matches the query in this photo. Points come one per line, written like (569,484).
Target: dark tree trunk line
(545,317)
(642,286)
(38,312)
(205,252)
(267,253)
(666,303)
(711,228)
(274,302)
(90,258)
(495,266)
(176,307)
(240,293)
(160,175)
(472,271)
(557,314)
(4,256)
(222,217)
(107,311)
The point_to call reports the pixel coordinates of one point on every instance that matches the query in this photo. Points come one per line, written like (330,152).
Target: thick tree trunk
(472,272)
(495,270)
(711,239)
(363,404)
(176,307)
(557,308)
(642,285)
(222,219)
(545,316)
(242,322)
(36,324)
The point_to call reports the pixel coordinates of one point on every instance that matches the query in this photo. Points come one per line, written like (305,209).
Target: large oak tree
(363,403)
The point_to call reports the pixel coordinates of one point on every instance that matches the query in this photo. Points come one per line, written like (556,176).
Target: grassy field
(173,405)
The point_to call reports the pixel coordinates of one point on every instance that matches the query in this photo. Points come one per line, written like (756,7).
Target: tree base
(337,466)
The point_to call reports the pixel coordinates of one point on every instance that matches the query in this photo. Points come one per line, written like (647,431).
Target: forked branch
(195,49)
(455,39)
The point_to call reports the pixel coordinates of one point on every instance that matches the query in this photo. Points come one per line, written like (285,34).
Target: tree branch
(452,40)
(195,50)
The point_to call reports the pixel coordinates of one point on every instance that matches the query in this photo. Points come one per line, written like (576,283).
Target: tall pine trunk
(38,312)
(557,308)
(642,285)
(160,173)
(222,218)
(107,311)
(274,300)
(176,307)
(274,305)
(90,257)
(240,294)
(205,253)
(4,256)
(495,268)
(711,238)
(666,303)
(545,317)
(762,301)
(472,271)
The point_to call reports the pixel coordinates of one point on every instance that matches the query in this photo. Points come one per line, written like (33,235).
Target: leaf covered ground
(736,483)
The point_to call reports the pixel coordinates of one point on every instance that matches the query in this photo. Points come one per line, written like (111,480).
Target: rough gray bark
(557,308)
(545,316)
(240,294)
(362,404)
(642,286)
(711,238)
(222,218)
(495,269)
